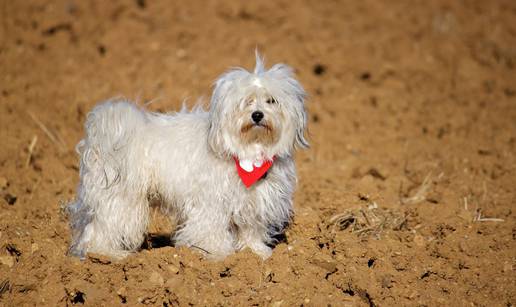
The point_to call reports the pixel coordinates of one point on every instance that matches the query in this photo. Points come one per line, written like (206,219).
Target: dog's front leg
(207,230)
(254,237)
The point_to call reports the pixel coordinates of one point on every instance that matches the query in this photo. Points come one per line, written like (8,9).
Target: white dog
(226,176)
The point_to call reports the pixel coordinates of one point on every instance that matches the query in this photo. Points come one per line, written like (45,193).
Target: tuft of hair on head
(259,68)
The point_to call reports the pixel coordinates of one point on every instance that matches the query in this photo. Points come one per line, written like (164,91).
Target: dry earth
(406,196)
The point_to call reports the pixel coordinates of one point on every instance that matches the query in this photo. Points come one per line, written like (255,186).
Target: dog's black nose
(257,116)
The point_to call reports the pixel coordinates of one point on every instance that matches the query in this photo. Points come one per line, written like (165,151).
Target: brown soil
(405,198)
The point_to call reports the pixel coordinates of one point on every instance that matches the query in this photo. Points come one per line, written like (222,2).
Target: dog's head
(257,115)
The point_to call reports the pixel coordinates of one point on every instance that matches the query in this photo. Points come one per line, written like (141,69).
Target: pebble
(34,248)
(172,268)
(277,304)
(3,183)
(156,278)
(7,260)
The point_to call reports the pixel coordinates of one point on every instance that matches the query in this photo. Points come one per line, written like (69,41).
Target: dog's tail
(110,128)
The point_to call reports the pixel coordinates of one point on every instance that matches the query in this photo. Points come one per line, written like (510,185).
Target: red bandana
(249,178)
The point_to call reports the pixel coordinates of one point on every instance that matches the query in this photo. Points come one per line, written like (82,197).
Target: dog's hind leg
(112,222)
(110,215)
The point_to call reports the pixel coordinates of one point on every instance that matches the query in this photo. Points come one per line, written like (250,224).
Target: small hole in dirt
(321,245)
(10,199)
(123,299)
(141,4)
(101,49)
(157,241)
(349,292)
(78,298)
(363,197)
(370,262)
(319,69)
(425,275)
(365,76)
(225,273)
(373,101)
(509,92)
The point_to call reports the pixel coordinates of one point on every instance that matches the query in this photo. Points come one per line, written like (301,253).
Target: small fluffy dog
(226,176)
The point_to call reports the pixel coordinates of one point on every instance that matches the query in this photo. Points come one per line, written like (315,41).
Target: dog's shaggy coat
(130,156)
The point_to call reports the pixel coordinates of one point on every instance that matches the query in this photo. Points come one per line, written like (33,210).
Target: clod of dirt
(3,183)
(57,28)
(100,259)
(386,281)
(7,260)
(326,264)
(156,279)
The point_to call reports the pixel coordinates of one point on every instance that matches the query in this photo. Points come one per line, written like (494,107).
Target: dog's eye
(271,100)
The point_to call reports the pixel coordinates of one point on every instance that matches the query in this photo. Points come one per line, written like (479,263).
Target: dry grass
(55,138)
(32,145)
(369,221)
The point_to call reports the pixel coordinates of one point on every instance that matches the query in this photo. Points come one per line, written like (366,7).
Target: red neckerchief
(249,178)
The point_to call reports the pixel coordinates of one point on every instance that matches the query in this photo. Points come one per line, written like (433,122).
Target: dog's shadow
(160,240)
(157,240)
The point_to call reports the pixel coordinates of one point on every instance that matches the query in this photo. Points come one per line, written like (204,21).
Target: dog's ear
(220,93)
(288,84)
(301,141)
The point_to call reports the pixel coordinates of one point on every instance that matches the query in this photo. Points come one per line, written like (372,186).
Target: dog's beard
(262,133)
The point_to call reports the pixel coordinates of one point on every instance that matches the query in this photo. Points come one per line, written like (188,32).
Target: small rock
(277,304)
(419,240)
(173,283)
(7,260)
(34,248)
(173,269)
(122,291)
(328,265)
(507,267)
(3,183)
(386,281)
(98,258)
(156,278)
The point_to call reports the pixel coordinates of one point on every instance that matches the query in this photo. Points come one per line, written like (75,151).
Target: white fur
(130,155)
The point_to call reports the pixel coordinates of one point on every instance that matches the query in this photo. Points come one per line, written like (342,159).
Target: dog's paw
(261,250)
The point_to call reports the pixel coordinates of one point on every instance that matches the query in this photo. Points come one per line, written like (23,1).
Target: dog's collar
(250,172)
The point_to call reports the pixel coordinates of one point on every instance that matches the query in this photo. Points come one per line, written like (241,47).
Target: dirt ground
(406,196)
